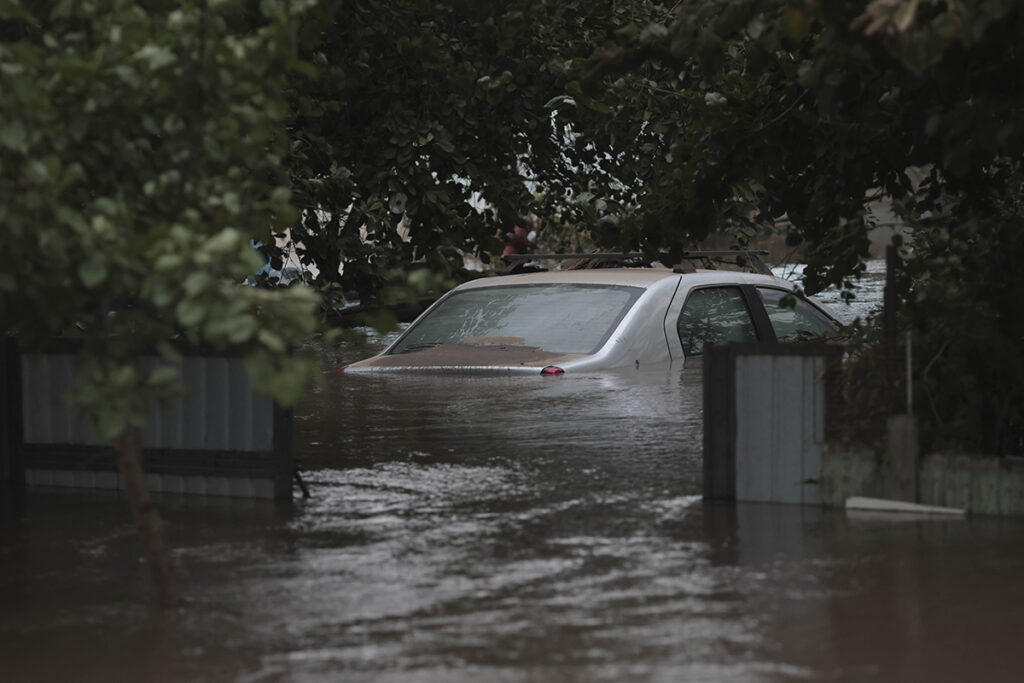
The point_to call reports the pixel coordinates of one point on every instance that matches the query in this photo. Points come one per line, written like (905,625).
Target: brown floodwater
(523,529)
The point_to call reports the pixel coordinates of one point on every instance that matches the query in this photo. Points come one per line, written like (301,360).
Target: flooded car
(598,319)
(464,529)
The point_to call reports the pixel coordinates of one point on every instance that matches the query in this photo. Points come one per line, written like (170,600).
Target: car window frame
(755,308)
(817,309)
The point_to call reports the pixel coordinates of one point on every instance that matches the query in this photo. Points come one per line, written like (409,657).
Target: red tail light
(552,370)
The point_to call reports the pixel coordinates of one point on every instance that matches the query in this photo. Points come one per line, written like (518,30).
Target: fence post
(10,412)
(719,462)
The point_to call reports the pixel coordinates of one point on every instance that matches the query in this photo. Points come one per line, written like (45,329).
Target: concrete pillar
(903,456)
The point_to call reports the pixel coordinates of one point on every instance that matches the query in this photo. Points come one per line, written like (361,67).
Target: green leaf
(13,136)
(92,273)
(290,383)
(72,218)
(224,241)
(164,376)
(190,312)
(161,293)
(242,329)
(168,262)
(156,56)
(272,341)
(197,283)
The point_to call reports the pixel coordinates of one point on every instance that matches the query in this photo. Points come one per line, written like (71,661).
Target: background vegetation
(144,144)
(142,147)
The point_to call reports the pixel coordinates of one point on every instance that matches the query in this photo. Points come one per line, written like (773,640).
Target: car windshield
(559,318)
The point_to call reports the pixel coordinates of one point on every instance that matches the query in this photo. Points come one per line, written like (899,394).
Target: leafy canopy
(424,131)
(142,148)
(798,116)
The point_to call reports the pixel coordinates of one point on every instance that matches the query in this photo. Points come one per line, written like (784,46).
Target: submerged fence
(223,439)
(764,421)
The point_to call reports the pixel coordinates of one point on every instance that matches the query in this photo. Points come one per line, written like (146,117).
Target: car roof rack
(518,262)
(747,259)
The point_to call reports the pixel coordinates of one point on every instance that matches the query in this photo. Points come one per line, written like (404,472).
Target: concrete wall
(983,485)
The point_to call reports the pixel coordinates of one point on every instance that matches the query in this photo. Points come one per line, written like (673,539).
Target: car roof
(630,277)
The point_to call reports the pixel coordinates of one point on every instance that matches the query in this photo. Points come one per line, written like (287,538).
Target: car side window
(714,315)
(797,322)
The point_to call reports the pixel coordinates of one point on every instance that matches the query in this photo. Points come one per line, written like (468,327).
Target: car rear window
(560,318)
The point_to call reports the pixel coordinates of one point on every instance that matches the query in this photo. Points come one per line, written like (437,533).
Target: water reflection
(867,292)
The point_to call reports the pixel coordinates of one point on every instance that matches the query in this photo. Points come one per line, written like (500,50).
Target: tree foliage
(142,147)
(425,131)
(798,115)
(791,113)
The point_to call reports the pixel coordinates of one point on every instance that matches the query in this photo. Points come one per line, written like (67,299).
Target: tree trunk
(161,567)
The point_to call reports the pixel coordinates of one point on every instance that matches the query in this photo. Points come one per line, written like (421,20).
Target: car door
(719,314)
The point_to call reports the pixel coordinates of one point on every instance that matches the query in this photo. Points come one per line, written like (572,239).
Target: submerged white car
(606,318)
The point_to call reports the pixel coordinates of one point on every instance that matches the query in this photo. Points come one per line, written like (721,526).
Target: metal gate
(223,439)
(764,421)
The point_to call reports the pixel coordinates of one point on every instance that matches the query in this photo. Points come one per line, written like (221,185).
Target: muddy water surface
(522,530)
